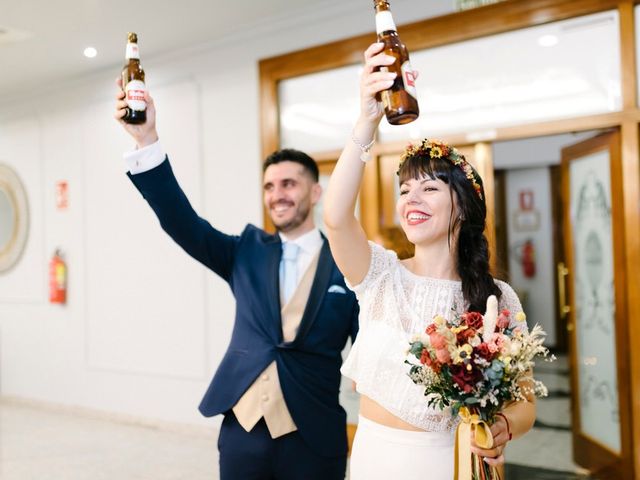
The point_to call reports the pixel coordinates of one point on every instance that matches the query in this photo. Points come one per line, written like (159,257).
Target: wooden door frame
(489,20)
(557,228)
(586,450)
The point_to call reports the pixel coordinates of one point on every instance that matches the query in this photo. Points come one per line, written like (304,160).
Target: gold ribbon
(471,422)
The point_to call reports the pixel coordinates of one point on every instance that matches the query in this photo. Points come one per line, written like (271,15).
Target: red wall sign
(62,195)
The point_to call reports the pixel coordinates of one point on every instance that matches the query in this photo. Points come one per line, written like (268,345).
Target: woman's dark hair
(292,155)
(472,262)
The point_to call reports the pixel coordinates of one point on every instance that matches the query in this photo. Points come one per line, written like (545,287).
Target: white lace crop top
(395,304)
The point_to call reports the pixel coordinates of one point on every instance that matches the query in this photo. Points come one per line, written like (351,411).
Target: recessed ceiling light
(548,40)
(90,52)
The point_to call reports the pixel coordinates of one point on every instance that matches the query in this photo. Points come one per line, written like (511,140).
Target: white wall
(537,291)
(145,326)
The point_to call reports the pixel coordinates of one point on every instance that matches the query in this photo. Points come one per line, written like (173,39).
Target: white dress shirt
(144,159)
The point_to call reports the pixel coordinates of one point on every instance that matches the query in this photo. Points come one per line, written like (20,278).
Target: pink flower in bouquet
(493,348)
(438,341)
(503,320)
(443,355)
(484,351)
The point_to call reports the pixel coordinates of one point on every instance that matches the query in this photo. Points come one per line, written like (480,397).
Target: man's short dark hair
(293,155)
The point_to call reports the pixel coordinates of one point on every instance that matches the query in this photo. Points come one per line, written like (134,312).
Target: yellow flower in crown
(436,152)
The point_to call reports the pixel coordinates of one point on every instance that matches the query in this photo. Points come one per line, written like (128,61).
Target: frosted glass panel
(590,189)
(318,111)
(558,70)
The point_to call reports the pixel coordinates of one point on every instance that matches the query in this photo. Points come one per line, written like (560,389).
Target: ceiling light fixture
(90,52)
(548,40)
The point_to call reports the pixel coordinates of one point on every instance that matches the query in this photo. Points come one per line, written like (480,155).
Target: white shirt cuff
(144,159)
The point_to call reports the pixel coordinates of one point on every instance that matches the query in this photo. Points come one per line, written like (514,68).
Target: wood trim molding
(631,198)
(628,56)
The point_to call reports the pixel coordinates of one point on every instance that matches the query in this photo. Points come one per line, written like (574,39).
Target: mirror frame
(10,183)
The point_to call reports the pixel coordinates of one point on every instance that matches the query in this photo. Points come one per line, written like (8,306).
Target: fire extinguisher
(528,259)
(57,279)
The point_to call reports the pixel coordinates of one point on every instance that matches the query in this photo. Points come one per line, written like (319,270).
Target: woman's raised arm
(346,236)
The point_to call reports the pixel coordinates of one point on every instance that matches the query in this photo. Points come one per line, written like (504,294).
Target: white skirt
(384,453)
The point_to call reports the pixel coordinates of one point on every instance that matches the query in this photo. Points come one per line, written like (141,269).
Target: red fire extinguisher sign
(57,279)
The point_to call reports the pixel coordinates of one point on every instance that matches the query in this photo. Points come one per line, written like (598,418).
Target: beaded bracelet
(365,156)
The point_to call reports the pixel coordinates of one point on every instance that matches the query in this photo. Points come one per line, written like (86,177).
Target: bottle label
(132,51)
(384,22)
(135,95)
(409,79)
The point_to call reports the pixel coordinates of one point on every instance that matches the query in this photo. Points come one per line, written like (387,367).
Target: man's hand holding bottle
(144,133)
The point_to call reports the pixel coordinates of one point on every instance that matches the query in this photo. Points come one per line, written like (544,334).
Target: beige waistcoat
(264,397)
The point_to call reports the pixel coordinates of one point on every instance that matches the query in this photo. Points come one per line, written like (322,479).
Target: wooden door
(595,282)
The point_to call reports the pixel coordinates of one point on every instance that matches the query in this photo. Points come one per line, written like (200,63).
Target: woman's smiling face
(425,207)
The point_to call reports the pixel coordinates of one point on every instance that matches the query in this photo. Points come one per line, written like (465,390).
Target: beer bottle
(133,83)
(401,100)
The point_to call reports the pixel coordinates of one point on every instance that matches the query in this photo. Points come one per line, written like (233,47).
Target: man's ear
(316,193)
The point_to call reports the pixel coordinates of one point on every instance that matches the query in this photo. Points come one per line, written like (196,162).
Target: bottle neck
(384,21)
(132,51)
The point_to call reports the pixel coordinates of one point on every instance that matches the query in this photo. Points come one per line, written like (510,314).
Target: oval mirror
(14,218)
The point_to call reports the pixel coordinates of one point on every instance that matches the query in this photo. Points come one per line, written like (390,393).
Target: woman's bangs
(418,167)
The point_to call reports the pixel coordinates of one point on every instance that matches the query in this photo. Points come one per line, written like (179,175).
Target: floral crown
(437,149)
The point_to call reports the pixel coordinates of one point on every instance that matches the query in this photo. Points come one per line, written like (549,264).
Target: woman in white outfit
(442,212)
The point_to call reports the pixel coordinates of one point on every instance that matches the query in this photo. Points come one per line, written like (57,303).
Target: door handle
(564,308)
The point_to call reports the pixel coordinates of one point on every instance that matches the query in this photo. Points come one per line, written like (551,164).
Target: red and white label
(62,195)
(409,78)
(135,95)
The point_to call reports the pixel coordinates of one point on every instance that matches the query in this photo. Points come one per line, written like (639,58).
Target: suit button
(265,377)
(265,398)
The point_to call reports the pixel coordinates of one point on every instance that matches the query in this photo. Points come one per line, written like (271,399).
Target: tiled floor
(545,452)
(42,444)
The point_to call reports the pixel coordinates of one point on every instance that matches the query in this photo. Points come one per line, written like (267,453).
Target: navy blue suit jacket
(308,366)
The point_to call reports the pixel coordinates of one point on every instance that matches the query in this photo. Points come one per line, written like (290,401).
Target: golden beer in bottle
(133,83)
(401,100)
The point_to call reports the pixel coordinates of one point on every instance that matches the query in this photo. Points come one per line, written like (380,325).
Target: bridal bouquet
(476,364)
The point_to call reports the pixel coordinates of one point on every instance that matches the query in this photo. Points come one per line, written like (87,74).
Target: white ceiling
(43,40)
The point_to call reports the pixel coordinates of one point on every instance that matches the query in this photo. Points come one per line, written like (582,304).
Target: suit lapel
(272,288)
(318,290)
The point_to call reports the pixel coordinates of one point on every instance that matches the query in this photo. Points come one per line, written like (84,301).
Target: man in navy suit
(278,383)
